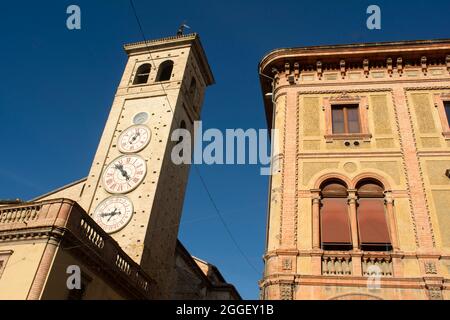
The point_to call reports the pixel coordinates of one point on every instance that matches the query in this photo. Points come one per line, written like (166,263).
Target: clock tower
(134,191)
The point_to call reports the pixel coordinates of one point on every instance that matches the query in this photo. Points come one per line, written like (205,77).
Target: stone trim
(417,171)
(283,148)
(345,280)
(405,169)
(289,180)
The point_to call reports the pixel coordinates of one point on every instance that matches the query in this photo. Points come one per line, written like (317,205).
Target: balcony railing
(377,265)
(336,265)
(341,263)
(63,214)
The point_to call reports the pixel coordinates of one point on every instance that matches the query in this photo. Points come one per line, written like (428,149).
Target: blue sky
(57,87)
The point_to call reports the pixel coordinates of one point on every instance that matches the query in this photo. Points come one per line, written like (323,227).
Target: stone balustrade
(336,265)
(377,265)
(365,264)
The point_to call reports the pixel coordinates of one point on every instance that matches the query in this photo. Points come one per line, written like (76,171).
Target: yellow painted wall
(20,268)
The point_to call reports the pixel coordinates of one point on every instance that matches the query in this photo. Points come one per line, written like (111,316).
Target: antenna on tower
(180,31)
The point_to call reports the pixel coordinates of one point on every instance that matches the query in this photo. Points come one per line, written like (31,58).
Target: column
(392,223)
(353,221)
(316,218)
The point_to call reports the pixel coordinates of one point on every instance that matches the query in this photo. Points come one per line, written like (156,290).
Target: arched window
(334,217)
(192,88)
(142,74)
(165,71)
(371,216)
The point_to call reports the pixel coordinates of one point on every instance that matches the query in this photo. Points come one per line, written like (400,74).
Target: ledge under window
(350,136)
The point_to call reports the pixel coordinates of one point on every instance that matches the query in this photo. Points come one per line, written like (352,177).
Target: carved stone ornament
(400,66)
(435,293)
(389,66)
(430,268)
(423,63)
(366,67)
(287,68)
(287,264)
(343,70)
(286,292)
(296,69)
(319,70)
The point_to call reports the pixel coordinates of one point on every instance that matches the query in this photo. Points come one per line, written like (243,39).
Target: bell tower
(134,190)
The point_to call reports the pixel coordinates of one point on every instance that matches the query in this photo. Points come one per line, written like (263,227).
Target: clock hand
(115,212)
(105,214)
(122,171)
(136,135)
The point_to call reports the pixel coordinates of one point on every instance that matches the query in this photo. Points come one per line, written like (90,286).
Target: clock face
(113,213)
(134,139)
(124,174)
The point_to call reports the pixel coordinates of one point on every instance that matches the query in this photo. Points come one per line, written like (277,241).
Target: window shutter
(353,120)
(338,120)
(335,224)
(372,225)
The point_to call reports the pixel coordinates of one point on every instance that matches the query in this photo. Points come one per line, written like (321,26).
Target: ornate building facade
(359,207)
(119,225)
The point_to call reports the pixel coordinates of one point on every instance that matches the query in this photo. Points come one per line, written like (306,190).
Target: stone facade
(403,142)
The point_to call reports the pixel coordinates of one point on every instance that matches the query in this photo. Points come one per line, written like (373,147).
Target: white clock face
(113,213)
(134,139)
(124,174)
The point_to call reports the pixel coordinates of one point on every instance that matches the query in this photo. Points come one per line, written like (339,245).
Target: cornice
(349,50)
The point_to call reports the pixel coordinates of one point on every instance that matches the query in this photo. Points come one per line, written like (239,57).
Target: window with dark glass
(165,71)
(142,74)
(371,216)
(334,218)
(447,111)
(345,119)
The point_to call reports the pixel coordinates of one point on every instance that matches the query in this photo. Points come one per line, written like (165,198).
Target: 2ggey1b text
(223,310)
